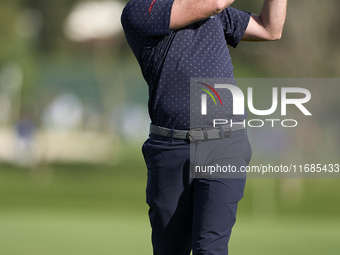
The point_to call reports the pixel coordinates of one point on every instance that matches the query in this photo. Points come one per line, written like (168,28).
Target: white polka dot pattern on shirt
(168,59)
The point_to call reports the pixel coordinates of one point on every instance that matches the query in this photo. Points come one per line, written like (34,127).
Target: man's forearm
(273,16)
(186,12)
(269,24)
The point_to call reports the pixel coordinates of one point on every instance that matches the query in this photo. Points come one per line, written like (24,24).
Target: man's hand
(269,24)
(186,12)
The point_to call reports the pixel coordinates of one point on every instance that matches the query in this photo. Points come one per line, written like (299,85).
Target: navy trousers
(193,213)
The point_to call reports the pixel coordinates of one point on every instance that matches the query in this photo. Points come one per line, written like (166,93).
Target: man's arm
(186,12)
(269,24)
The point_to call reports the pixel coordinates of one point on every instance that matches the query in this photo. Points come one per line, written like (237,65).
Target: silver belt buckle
(194,129)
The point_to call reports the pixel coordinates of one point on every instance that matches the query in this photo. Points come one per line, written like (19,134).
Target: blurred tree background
(73,117)
(102,72)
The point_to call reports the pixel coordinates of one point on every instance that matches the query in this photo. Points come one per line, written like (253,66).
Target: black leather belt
(198,134)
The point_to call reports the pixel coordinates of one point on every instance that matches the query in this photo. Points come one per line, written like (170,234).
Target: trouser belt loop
(222,132)
(205,133)
(171,135)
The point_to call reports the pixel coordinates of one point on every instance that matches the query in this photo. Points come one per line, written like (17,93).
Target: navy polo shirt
(169,58)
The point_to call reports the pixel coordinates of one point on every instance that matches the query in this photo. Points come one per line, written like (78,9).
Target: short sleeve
(146,21)
(234,23)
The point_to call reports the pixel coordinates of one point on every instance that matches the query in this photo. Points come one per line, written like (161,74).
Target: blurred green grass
(89,209)
(30,232)
(43,232)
